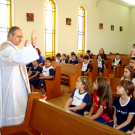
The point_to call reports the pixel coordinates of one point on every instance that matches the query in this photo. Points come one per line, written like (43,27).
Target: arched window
(81,30)
(5,19)
(49,27)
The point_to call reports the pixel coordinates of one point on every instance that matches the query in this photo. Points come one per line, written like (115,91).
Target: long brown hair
(88,87)
(131,70)
(105,94)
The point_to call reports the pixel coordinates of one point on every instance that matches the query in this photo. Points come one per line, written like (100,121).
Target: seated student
(102,107)
(29,66)
(85,66)
(73,59)
(71,55)
(64,60)
(40,62)
(101,64)
(81,97)
(47,74)
(103,55)
(129,74)
(88,53)
(132,62)
(124,107)
(35,70)
(58,57)
(89,60)
(116,62)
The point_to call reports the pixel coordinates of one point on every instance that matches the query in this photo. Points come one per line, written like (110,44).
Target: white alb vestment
(14,83)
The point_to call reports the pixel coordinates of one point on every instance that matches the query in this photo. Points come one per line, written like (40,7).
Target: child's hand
(87,116)
(115,126)
(67,108)
(129,132)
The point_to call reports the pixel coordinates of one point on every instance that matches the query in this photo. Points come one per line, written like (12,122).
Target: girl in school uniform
(58,57)
(102,108)
(129,74)
(89,59)
(40,61)
(124,107)
(64,60)
(101,64)
(81,97)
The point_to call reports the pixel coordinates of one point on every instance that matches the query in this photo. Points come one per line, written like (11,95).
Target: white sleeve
(21,57)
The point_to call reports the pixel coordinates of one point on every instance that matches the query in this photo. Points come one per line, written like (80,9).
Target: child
(89,56)
(81,96)
(116,62)
(58,57)
(102,108)
(88,53)
(101,64)
(132,62)
(29,66)
(64,60)
(124,107)
(71,55)
(35,70)
(47,74)
(132,52)
(73,59)
(41,61)
(129,74)
(85,66)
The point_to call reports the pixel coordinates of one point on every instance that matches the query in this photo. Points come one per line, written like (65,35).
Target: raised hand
(33,39)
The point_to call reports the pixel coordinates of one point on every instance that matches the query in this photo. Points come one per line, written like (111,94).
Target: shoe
(42,97)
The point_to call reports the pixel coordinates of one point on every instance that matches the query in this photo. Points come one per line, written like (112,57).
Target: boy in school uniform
(132,62)
(29,66)
(89,59)
(64,60)
(58,57)
(85,66)
(88,53)
(47,74)
(73,59)
(116,62)
(35,70)
(101,64)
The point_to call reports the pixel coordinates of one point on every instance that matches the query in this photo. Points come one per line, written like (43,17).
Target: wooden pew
(108,64)
(53,87)
(93,71)
(48,119)
(72,71)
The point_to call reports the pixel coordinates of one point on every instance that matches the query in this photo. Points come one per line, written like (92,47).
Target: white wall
(107,12)
(131,29)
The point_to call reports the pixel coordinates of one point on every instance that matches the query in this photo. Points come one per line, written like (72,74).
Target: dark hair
(12,30)
(86,57)
(64,54)
(131,70)
(73,54)
(127,85)
(133,44)
(117,53)
(133,58)
(88,51)
(39,52)
(88,87)
(58,55)
(104,93)
(48,58)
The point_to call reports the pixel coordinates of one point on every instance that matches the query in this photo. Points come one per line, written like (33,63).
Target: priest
(14,83)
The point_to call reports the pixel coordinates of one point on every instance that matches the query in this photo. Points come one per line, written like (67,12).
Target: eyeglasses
(20,37)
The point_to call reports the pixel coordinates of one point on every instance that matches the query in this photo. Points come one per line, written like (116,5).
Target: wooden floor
(60,101)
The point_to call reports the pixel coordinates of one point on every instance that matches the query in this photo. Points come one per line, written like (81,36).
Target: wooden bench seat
(48,119)
(72,71)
